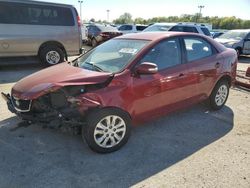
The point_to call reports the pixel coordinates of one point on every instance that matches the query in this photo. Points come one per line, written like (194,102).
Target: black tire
(59,55)
(94,118)
(238,51)
(212,99)
(94,42)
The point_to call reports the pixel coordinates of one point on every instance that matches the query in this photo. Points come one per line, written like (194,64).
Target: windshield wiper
(95,66)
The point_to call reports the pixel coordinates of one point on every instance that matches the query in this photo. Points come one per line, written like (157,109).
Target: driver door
(157,94)
(246,45)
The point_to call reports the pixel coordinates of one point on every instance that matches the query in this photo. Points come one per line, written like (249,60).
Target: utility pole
(200,7)
(108,15)
(80,1)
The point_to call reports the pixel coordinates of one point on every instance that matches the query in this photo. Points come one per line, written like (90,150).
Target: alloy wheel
(221,95)
(109,131)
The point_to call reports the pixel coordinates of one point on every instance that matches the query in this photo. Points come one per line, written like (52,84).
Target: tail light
(79,21)
(104,34)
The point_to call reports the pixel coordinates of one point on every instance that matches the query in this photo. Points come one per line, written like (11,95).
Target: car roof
(156,35)
(165,23)
(134,24)
(241,30)
(36,2)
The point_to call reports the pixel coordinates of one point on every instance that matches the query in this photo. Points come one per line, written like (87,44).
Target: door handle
(217,65)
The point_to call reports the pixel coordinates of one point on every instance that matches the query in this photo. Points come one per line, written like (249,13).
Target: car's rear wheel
(219,95)
(107,130)
(238,51)
(94,42)
(51,55)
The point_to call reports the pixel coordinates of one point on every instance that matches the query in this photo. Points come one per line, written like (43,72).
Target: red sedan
(127,80)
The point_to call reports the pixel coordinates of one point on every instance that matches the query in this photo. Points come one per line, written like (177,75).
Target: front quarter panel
(116,94)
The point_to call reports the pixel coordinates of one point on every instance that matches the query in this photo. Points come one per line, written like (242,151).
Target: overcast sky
(97,9)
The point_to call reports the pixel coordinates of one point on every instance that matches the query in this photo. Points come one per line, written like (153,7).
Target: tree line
(217,22)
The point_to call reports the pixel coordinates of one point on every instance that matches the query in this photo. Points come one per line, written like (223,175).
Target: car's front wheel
(219,95)
(107,130)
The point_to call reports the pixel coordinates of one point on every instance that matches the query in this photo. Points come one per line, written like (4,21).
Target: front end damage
(63,107)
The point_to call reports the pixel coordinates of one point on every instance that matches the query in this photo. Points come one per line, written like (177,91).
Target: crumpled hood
(55,77)
(226,41)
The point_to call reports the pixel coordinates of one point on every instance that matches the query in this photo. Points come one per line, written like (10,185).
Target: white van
(47,30)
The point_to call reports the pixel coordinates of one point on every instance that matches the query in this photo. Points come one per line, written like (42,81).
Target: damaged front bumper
(73,112)
(8,100)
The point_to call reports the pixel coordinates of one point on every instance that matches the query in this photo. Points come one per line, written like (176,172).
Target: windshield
(236,35)
(157,28)
(112,56)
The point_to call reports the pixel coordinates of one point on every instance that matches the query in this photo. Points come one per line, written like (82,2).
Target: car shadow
(37,157)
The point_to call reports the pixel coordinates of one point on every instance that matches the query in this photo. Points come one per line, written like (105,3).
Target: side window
(50,15)
(121,28)
(197,48)
(206,31)
(165,54)
(125,28)
(13,13)
(190,29)
(128,27)
(177,28)
(140,28)
(20,13)
(248,36)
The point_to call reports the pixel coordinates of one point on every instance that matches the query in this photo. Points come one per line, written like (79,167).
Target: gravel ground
(190,148)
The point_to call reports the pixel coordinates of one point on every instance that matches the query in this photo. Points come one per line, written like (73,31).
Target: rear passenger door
(203,65)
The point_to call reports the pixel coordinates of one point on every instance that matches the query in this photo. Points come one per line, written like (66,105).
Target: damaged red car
(125,81)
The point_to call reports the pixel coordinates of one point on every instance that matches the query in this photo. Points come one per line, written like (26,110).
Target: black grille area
(21,105)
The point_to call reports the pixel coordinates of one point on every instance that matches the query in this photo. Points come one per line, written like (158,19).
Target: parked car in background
(192,28)
(98,33)
(84,33)
(159,27)
(216,34)
(47,30)
(130,79)
(237,39)
(131,28)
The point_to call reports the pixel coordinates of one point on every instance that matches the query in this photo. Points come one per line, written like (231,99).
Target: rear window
(140,27)
(125,28)
(19,13)
(177,28)
(206,31)
(184,29)
(157,28)
(107,28)
(190,29)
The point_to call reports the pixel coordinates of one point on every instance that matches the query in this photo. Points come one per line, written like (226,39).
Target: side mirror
(147,68)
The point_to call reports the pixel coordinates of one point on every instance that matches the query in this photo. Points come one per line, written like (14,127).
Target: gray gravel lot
(189,148)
